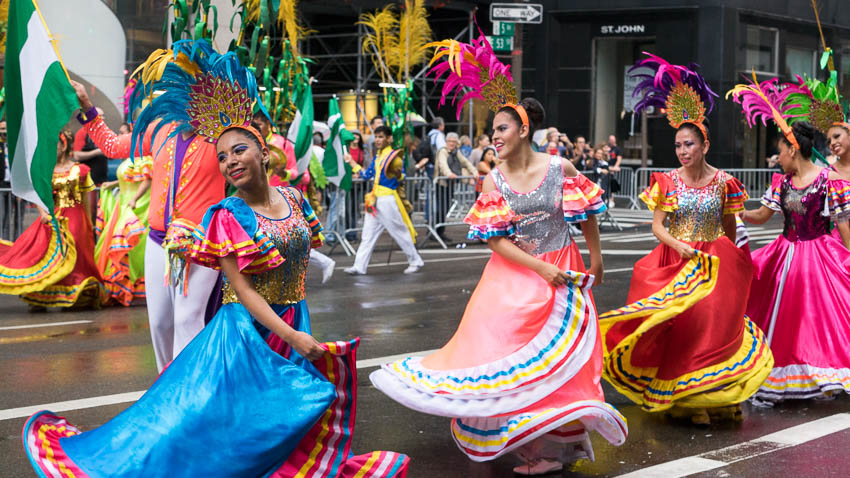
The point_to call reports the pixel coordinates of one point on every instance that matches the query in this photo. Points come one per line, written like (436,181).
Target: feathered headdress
(765,101)
(474,66)
(198,89)
(816,102)
(679,89)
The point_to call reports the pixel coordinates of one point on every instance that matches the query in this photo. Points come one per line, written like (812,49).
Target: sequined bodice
(291,237)
(67,190)
(539,214)
(699,216)
(803,209)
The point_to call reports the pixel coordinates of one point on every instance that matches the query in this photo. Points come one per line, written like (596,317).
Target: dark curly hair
(534,110)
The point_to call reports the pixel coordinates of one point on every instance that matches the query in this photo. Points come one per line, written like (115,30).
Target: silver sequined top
(699,216)
(539,213)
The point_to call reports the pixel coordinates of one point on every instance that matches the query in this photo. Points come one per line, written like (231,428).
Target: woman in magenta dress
(51,266)
(808,332)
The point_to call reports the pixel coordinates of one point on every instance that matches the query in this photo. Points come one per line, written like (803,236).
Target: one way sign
(516,12)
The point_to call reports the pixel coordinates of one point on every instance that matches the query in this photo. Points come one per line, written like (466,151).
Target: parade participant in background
(121,229)
(86,152)
(283,167)
(255,368)
(838,136)
(185,180)
(804,331)
(52,265)
(521,373)
(684,340)
(386,206)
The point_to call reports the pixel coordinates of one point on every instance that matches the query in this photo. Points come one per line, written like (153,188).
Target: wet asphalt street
(90,358)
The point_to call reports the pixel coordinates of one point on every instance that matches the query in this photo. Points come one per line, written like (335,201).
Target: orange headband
(249,129)
(698,124)
(789,135)
(522,114)
(63,140)
(842,124)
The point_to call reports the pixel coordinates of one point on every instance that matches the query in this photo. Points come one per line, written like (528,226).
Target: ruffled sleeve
(86,183)
(736,195)
(772,198)
(838,191)
(661,193)
(317,239)
(581,197)
(230,227)
(140,170)
(490,217)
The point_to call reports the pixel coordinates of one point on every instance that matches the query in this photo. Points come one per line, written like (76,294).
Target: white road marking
(105,400)
(49,324)
(711,460)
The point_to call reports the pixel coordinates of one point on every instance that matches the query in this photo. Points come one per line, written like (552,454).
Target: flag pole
(52,40)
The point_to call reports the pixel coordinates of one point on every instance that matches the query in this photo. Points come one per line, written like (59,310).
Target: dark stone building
(575,62)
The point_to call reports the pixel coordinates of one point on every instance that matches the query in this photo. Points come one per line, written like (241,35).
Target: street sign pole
(516,62)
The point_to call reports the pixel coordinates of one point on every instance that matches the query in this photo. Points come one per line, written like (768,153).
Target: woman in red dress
(683,342)
(52,265)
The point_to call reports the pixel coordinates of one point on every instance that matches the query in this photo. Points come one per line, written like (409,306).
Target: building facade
(583,84)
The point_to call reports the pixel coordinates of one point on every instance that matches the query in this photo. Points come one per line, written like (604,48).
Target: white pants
(388,217)
(320,259)
(174,319)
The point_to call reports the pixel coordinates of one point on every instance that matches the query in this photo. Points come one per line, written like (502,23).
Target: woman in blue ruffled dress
(243,399)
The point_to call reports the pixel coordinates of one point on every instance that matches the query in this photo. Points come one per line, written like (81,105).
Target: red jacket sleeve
(113,145)
(80,139)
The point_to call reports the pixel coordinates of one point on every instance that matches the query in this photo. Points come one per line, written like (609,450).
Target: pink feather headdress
(767,101)
(473,66)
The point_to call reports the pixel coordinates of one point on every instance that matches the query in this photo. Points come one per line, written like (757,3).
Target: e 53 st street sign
(516,12)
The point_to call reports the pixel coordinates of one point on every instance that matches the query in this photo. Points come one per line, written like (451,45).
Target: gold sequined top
(291,237)
(699,216)
(69,186)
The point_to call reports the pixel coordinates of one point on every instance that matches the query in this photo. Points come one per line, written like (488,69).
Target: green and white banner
(39,101)
(336,170)
(301,130)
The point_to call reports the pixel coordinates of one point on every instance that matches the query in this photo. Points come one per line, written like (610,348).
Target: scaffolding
(340,64)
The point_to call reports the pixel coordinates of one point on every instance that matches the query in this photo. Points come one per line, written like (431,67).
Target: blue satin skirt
(228,405)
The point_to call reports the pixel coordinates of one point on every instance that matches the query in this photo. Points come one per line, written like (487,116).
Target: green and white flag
(301,130)
(39,101)
(335,167)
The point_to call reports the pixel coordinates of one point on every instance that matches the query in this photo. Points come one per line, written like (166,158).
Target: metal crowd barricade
(12,209)
(628,186)
(453,198)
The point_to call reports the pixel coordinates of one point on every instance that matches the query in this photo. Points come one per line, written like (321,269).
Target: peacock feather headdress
(768,100)
(196,88)
(678,89)
(473,69)
(815,101)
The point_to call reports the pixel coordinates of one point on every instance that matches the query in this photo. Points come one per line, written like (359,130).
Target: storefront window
(760,49)
(799,61)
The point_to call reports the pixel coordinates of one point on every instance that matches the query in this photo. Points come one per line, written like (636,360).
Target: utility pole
(516,58)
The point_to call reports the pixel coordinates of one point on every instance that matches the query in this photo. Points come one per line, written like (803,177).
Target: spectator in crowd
(450,160)
(451,163)
(355,149)
(615,155)
(370,139)
(465,145)
(482,142)
(425,154)
(5,181)
(580,152)
(86,152)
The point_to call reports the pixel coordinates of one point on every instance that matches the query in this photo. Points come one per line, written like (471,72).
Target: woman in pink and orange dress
(521,374)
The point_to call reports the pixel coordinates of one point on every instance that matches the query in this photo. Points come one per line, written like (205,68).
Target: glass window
(760,45)
(799,61)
